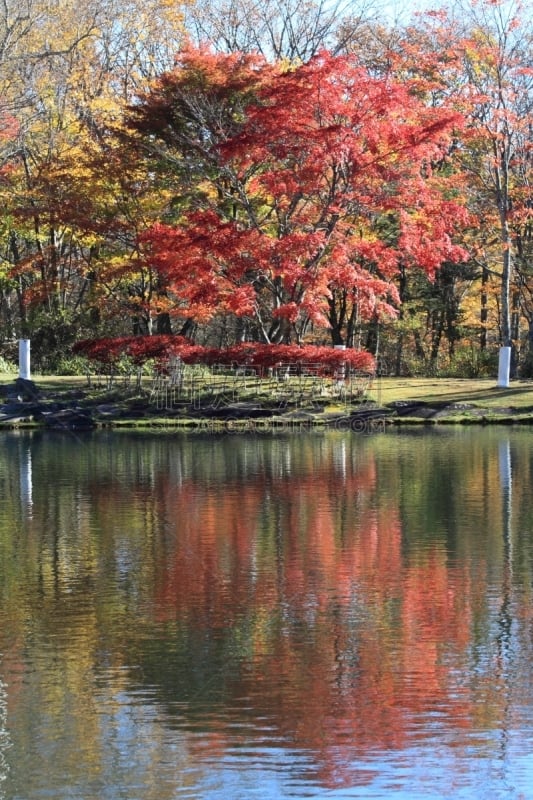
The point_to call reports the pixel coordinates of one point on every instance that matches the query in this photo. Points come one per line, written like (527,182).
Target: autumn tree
(477,57)
(294,187)
(295,30)
(498,159)
(68,212)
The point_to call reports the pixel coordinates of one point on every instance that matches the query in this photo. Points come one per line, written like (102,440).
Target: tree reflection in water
(339,598)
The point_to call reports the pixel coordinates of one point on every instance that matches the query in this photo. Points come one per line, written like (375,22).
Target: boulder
(69,419)
(26,389)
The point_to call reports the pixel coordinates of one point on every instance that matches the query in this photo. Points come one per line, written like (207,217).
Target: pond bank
(25,404)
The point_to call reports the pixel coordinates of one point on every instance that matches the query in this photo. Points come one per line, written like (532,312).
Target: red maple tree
(310,185)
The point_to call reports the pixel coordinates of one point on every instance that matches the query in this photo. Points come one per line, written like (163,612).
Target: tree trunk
(337,313)
(163,324)
(484,313)
(505,295)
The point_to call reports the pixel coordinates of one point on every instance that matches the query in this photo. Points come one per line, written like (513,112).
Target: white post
(24,359)
(504,367)
(340,375)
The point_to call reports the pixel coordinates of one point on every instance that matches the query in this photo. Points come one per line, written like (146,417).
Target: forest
(283,172)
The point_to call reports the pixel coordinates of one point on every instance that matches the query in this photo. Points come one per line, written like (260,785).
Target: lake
(266,615)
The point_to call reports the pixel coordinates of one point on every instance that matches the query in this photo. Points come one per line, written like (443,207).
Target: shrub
(73,365)
(261,357)
(471,362)
(7,366)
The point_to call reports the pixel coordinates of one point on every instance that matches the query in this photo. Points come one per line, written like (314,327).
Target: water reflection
(26,479)
(319,615)
(4,739)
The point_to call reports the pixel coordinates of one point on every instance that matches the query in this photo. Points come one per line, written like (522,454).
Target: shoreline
(57,403)
(372,420)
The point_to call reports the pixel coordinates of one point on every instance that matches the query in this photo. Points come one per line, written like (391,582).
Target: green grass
(49,382)
(482,393)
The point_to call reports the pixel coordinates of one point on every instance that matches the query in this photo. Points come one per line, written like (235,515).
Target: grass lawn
(49,382)
(483,393)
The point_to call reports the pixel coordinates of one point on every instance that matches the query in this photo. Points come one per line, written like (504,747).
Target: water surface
(326,615)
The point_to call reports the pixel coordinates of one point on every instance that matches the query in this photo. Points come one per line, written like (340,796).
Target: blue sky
(405,8)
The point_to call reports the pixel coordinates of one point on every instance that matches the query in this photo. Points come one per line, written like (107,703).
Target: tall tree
(67,212)
(293,173)
(479,58)
(295,30)
(501,81)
